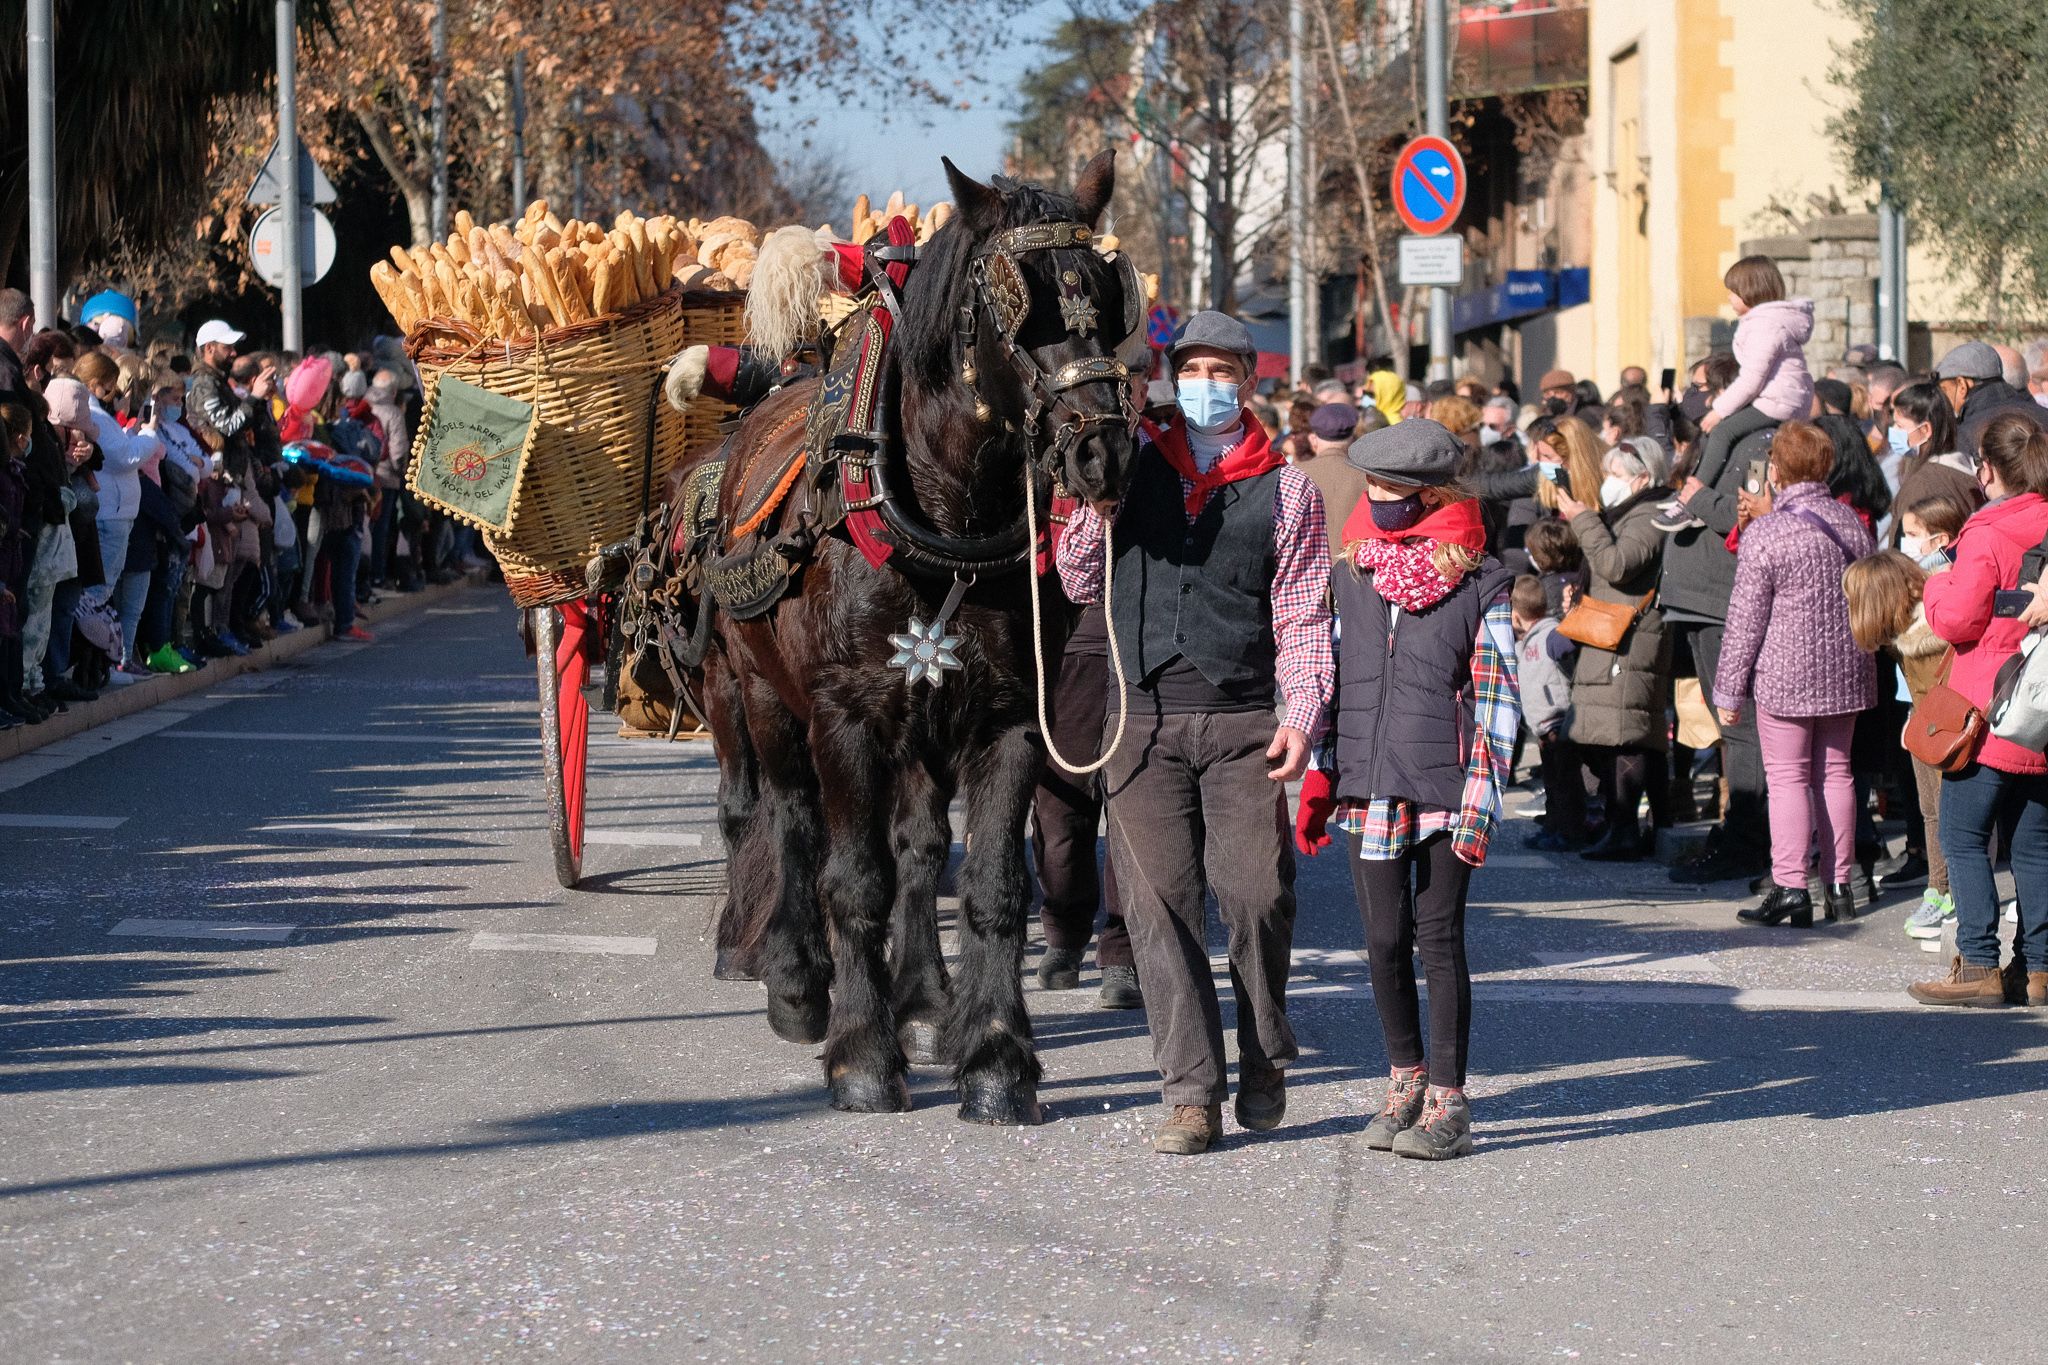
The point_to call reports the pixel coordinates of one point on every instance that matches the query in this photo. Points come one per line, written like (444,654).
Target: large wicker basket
(595,388)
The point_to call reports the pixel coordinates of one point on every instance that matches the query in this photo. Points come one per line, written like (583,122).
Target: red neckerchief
(1403,563)
(1248,459)
(1456,522)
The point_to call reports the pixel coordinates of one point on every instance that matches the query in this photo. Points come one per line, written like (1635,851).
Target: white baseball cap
(216,330)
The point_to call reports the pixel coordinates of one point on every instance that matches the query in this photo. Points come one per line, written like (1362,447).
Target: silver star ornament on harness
(925,652)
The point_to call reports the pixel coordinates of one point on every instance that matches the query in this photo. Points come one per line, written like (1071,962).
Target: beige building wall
(1729,101)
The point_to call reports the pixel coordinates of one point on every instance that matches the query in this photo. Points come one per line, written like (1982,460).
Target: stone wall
(1833,261)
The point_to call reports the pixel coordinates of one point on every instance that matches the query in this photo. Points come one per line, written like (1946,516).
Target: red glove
(1312,816)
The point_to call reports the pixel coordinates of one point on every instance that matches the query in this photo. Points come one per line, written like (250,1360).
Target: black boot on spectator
(63,689)
(1782,904)
(1908,869)
(1841,904)
(1623,842)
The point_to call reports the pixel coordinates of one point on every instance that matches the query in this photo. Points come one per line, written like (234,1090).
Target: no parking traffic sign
(1429,185)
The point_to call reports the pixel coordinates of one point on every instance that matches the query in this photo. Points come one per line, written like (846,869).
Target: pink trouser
(1812,798)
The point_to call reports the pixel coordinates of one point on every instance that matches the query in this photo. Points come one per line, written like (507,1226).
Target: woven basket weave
(594,387)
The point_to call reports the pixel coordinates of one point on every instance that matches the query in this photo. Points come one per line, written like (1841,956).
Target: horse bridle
(1001,289)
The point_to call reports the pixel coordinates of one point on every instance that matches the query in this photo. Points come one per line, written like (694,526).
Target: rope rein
(1116,662)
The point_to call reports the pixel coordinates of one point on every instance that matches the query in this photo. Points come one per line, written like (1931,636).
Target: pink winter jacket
(1770,344)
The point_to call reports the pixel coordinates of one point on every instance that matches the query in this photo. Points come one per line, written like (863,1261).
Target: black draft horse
(837,771)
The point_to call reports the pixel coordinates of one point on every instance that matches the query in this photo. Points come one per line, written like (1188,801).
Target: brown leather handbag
(1945,729)
(1602,625)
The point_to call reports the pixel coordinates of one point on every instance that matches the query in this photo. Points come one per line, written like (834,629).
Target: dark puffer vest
(1404,704)
(1199,590)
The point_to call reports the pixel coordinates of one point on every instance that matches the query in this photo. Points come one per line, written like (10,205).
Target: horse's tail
(783,297)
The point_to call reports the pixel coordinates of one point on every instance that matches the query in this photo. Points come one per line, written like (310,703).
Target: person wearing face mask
(2006,788)
(1221,568)
(1923,431)
(1619,697)
(1424,734)
(1972,378)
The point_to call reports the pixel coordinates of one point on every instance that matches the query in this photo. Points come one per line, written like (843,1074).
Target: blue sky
(897,145)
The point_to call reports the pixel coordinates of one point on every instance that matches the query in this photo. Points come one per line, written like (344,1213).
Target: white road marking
(644,838)
(202,928)
(561,943)
(62,821)
(1647,962)
(1566,993)
(335,827)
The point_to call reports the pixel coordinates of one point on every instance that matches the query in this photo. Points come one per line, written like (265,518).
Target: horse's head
(1045,315)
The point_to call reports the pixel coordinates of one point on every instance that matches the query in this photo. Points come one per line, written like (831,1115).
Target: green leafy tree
(1948,109)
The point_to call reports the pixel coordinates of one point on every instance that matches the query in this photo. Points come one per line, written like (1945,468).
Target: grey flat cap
(1417,453)
(1219,331)
(1971,360)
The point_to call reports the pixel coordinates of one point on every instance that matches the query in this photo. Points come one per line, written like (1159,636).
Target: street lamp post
(1436,96)
(440,48)
(518,133)
(291,300)
(1297,197)
(42,164)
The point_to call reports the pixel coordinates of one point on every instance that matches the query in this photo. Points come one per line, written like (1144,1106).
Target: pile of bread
(542,273)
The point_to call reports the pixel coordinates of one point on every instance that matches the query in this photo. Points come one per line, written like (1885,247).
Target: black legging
(1416,903)
(1628,775)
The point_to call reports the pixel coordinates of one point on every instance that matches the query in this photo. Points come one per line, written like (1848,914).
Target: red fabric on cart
(572,671)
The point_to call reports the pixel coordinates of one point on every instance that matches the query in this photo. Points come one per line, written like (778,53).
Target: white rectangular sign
(1432,260)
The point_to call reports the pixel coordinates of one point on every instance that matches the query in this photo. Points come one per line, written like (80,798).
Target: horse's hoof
(919,1039)
(732,965)
(997,1103)
(862,1093)
(795,1019)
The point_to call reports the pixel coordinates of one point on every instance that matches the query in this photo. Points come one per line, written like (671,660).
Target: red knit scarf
(1403,570)
(1248,459)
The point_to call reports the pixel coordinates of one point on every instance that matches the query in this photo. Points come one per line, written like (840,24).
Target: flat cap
(1555,379)
(1971,360)
(1334,421)
(1218,331)
(1417,453)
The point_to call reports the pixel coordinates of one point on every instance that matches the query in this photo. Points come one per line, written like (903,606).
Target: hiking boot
(1261,1099)
(1059,970)
(1120,989)
(1783,903)
(1982,987)
(1936,908)
(1444,1130)
(2037,989)
(1192,1130)
(1398,1114)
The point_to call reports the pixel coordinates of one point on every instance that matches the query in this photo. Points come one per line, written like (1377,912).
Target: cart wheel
(564,729)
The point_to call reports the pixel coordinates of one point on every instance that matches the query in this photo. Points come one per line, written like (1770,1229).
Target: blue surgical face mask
(1897,437)
(1399,514)
(1210,405)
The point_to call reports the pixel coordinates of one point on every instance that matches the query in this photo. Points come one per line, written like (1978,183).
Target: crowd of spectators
(166,503)
(1800,556)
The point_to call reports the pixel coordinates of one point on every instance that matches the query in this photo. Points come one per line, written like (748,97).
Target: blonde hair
(1883,590)
(1582,457)
(1452,561)
(1458,414)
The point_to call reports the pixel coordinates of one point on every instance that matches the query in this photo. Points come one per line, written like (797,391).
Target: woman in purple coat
(1789,653)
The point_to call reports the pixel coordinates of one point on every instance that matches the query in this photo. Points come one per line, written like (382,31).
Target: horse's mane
(939,286)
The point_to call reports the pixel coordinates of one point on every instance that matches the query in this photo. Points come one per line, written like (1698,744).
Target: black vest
(1404,704)
(1199,590)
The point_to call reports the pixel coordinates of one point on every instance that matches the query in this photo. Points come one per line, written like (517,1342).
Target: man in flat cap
(1220,562)
(1972,378)
(1331,430)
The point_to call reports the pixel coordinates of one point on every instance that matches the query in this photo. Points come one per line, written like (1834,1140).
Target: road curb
(154,691)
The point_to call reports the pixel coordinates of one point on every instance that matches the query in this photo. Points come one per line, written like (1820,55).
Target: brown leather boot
(2037,988)
(1979,986)
(1191,1131)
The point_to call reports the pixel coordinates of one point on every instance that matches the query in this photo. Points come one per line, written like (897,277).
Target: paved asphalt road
(395,1130)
